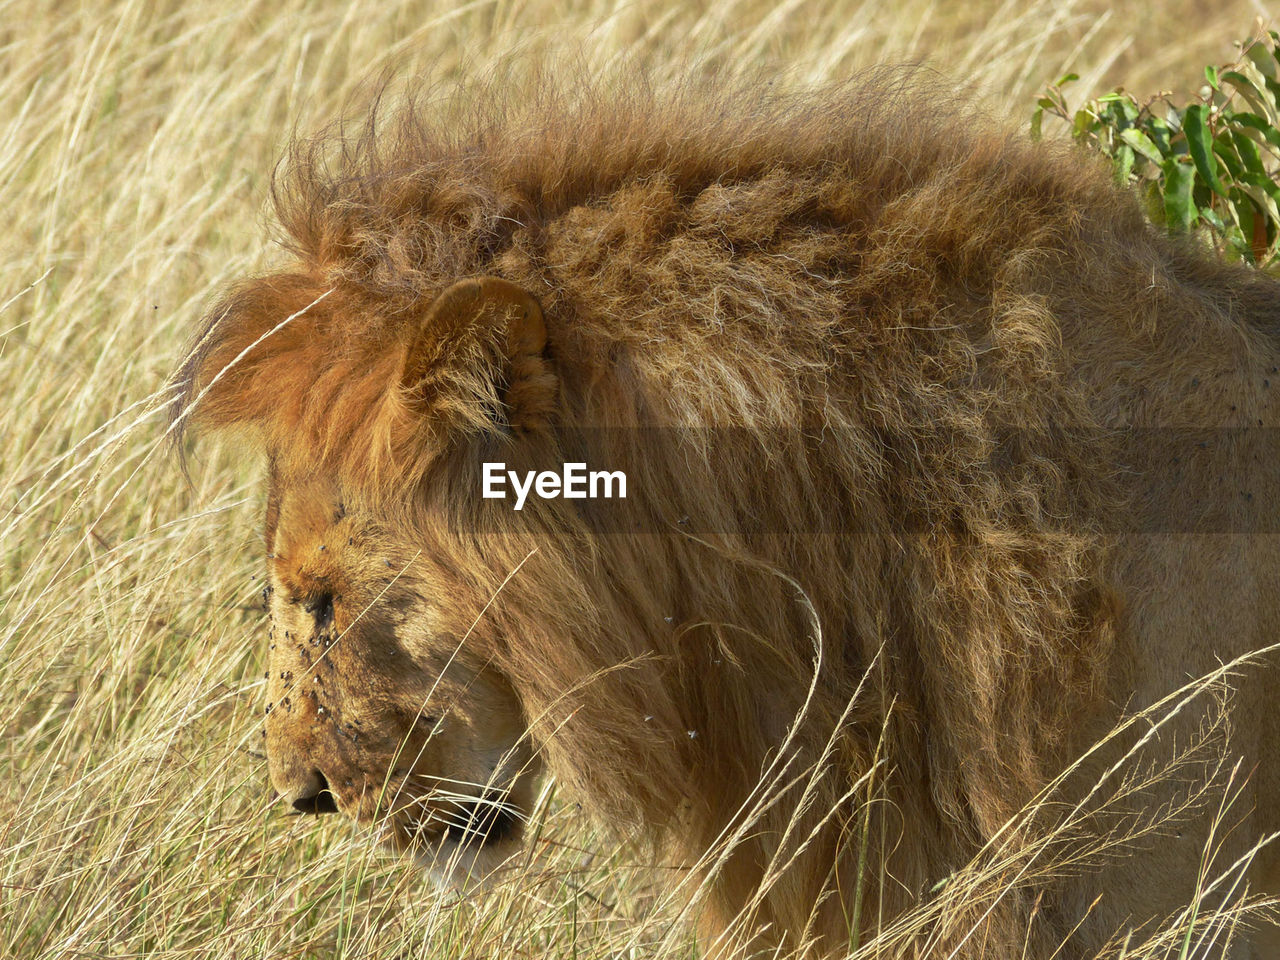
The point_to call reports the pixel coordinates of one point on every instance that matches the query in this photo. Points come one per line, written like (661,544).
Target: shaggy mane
(382,219)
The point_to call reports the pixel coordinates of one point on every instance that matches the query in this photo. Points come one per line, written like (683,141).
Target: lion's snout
(309,738)
(311,795)
(298,776)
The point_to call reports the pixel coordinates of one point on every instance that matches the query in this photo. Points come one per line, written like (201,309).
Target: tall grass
(136,144)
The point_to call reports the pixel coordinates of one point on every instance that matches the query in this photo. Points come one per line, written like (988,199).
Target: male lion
(940,463)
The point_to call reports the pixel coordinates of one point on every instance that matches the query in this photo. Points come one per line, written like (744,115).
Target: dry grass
(136,144)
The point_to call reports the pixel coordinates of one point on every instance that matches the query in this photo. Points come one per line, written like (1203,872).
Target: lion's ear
(494,328)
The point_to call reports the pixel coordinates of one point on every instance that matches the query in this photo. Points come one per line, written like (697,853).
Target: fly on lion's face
(379,707)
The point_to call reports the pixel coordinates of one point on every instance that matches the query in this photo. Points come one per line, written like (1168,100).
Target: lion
(938,469)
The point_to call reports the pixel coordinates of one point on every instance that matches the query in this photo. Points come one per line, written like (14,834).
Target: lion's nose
(313,795)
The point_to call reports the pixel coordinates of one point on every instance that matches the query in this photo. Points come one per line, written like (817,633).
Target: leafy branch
(1210,164)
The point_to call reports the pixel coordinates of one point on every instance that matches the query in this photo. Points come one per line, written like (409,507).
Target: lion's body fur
(907,354)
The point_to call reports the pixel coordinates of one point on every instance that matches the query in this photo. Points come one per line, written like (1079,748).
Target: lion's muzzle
(312,796)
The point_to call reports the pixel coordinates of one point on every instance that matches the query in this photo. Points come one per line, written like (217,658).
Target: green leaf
(1215,221)
(1263,192)
(1159,132)
(1201,195)
(1128,108)
(1211,74)
(1248,152)
(1225,150)
(1255,92)
(1264,181)
(1153,201)
(1083,124)
(1037,117)
(1066,78)
(1200,145)
(1262,58)
(1140,142)
(1244,214)
(1237,246)
(1255,128)
(1123,164)
(1179,209)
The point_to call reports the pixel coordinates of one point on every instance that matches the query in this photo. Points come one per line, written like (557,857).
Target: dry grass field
(137,140)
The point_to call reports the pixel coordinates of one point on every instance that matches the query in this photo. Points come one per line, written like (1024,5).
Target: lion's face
(383,705)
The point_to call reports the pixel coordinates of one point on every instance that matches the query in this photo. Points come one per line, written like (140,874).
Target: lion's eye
(320,606)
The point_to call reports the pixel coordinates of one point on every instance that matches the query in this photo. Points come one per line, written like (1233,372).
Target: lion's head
(388,700)
(384,704)
(432,651)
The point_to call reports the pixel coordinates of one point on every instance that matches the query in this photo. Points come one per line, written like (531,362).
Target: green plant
(1210,164)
